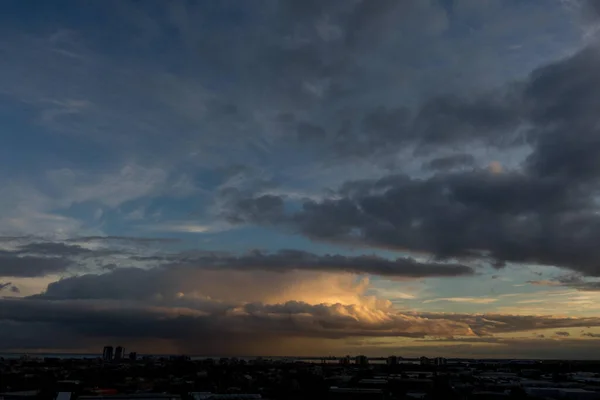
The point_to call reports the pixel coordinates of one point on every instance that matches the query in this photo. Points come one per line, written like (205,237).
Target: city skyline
(295,178)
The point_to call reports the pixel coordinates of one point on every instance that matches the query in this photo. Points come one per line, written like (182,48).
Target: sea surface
(81,356)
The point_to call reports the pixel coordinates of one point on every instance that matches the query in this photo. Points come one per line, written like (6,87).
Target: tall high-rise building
(132,355)
(392,360)
(107,354)
(119,353)
(440,361)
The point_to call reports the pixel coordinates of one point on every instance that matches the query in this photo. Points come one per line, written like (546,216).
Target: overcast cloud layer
(301,177)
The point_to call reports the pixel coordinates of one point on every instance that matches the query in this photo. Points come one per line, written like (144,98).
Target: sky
(301,178)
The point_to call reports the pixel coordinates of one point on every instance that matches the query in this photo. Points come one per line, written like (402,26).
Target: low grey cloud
(53,248)
(14,265)
(562,333)
(289,260)
(122,239)
(309,132)
(450,162)
(41,258)
(571,281)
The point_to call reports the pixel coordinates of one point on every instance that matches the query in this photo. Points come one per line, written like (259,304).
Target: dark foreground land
(178,378)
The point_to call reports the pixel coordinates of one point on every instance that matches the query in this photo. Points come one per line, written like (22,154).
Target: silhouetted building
(119,353)
(425,361)
(355,393)
(345,360)
(392,360)
(107,354)
(132,355)
(440,361)
(361,360)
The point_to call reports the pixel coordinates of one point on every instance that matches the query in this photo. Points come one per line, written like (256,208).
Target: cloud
(111,189)
(54,248)
(14,265)
(509,216)
(288,260)
(495,323)
(362,89)
(126,251)
(523,215)
(246,299)
(562,333)
(188,227)
(209,321)
(258,275)
(450,162)
(130,239)
(472,300)
(572,281)
(4,285)
(185,321)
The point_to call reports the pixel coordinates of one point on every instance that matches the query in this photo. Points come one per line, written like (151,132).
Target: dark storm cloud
(512,216)
(15,265)
(288,260)
(557,102)
(66,250)
(309,132)
(452,119)
(47,257)
(592,9)
(327,54)
(442,121)
(563,100)
(188,322)
(562,333)
(116,284)
(546,213)
(26,335)
(450,162)
(54,248)
(4,285)
(380,128)
(263,209)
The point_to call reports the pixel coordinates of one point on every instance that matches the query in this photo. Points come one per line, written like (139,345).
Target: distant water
(81,356)
(51,355)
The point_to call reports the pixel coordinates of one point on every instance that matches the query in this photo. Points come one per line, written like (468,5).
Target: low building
(392,360)
(361,360)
